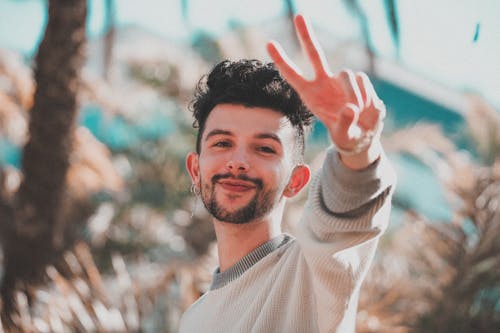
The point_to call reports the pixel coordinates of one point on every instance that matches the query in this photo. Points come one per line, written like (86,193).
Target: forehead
(249,121)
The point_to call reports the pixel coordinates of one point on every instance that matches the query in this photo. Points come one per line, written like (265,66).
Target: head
(250,143)
(253,84)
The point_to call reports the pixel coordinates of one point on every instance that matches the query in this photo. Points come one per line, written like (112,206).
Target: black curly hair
(253,84)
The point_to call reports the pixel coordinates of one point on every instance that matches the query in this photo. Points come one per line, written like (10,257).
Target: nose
(238,164)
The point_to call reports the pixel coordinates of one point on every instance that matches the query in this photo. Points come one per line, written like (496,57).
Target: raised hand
(345,102)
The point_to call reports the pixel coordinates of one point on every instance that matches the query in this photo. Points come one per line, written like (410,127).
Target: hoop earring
(196,191)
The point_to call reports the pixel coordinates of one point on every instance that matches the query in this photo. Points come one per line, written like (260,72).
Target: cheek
(209,165)
(279,175)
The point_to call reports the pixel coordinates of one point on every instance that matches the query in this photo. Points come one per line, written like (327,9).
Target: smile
(236,185)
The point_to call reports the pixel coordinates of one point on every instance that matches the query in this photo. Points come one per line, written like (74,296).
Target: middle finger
(311,47)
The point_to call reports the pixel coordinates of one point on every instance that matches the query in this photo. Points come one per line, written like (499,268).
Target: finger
(311,46)
(349,84)
(372,116)
(285,65)
(380,106)
(363,81)
(368,87)
(347,120)
(374,108)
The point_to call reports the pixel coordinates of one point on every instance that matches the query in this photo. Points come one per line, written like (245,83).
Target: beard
(259,205)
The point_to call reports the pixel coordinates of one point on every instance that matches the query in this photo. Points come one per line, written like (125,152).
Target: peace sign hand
(345,102)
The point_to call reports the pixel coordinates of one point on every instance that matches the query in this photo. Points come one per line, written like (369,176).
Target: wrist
(364,158)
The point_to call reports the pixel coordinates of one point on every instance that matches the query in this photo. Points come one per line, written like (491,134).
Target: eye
(266,149)
(222,144)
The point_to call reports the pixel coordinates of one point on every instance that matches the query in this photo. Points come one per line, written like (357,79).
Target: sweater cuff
(345,190)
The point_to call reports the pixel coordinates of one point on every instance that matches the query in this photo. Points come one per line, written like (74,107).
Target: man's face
(245,162)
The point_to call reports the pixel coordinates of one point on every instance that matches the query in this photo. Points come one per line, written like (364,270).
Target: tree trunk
(355,7)
(109,38)
(32,224)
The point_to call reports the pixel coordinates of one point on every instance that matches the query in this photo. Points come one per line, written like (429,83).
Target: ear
(300,177)
(193,167)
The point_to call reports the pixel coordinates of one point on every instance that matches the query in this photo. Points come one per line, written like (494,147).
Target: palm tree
(355,7)
(109,38)
(33,221)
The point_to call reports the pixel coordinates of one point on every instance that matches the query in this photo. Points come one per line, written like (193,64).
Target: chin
(239,222)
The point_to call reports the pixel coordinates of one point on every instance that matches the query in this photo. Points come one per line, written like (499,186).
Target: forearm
(345,190)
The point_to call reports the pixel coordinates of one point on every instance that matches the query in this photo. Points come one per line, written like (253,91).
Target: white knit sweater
(311,283)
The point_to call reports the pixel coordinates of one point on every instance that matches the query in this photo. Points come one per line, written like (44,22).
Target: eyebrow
(217,132)
(271,136)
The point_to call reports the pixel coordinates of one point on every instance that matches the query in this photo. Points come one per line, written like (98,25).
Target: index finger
(311,46)
(286,67)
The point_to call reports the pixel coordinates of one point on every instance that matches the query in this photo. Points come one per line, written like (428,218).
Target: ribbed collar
(235,271)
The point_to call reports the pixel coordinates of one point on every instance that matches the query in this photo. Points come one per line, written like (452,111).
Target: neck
(234,241)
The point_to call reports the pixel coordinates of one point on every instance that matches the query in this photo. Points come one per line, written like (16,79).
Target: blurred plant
(152,220)
(434,276)
(134,297)
(357,10)
(484,125)
(90,169)
(391,13)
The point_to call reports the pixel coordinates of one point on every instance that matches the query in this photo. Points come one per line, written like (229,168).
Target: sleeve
(344,216)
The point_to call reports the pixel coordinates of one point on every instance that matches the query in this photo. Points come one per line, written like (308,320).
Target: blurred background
(98,230)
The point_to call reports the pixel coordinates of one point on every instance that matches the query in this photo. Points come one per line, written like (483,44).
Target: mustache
(258,182)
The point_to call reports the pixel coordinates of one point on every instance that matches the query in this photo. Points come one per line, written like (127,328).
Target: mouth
(236,185)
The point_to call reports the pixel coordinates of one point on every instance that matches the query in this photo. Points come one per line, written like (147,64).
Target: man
(249,154)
